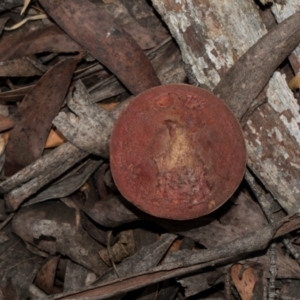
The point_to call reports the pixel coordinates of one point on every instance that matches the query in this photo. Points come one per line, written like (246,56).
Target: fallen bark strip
(89,129)
(44,165)
(180,263)
(66,186)
(246,79)
(17,196)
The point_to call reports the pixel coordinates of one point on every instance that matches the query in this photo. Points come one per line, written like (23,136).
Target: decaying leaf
(123,248)
(77,276)
(17,266)
(137,25)
(286,266)
(117,48)
(235,220)
(157,260)
(110,212)
(35,115)
(46,39)
(137,262)
(52,227)
(5,5)
(244,280)
(99,234)
(2,24)
(22,67)
(46,275)
(195,284)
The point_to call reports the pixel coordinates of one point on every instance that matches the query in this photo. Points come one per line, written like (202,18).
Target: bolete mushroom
(177,152)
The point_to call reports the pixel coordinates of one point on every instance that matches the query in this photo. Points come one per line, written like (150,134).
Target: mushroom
(177,152)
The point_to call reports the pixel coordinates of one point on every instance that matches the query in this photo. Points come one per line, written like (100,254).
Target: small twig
(253,107)
(6,221)
(289,246)
(11,247)
(164,42)
(17,196)
(227,287)
(31,18)
(10,84)
(19,263)
(273,271)
(25,6)
(260,196)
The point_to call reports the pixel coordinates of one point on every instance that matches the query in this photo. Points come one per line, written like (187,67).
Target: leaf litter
(65,230)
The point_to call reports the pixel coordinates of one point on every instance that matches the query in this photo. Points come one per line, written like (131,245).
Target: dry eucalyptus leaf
(110,44)
(15,95)
(55,138)
(110,212)
(35,115)
(144,26)
(2,23)
(244,280)
(76,276)
(18,265)
(243,216)
(46,275)
(46,39)
(195,284)
(21,67)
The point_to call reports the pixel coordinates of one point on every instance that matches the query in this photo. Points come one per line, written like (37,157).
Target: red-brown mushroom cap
(177,152)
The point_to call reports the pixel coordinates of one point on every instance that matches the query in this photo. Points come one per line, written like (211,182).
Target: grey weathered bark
(212,36)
